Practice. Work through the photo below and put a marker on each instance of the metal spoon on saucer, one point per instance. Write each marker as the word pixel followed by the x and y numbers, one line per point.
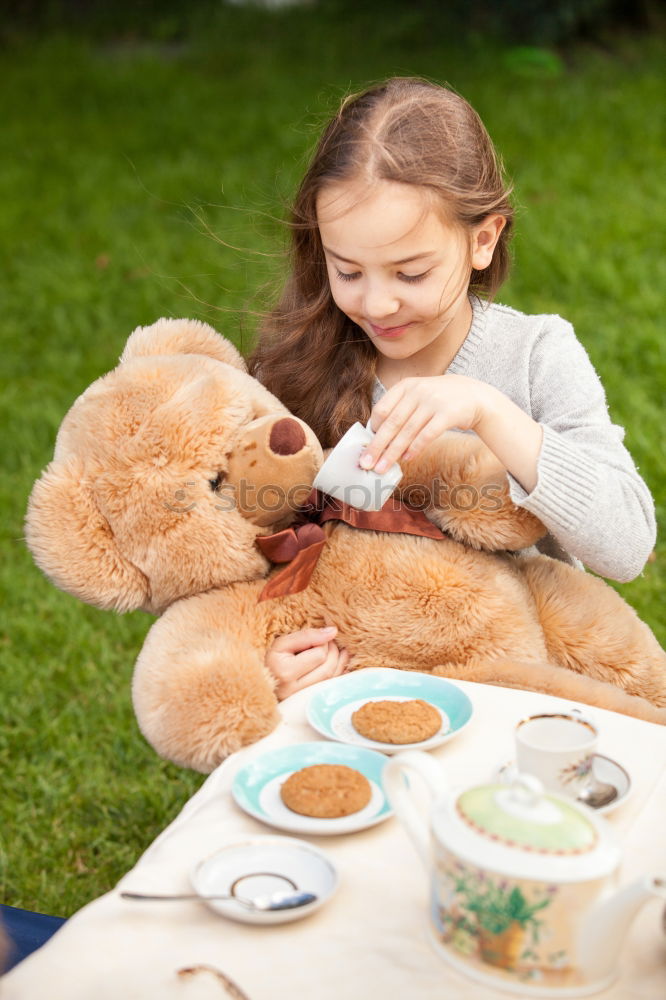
pixel 597 794
pixel 273 901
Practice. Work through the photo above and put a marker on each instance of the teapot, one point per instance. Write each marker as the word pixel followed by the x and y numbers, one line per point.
pixel 523 894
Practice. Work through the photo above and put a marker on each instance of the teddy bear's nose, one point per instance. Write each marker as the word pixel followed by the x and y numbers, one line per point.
pixel 287 437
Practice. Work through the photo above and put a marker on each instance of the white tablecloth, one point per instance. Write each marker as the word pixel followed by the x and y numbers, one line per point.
pixel 370 940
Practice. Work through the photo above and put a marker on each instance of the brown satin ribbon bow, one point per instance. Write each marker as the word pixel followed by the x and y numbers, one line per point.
pixel 302 543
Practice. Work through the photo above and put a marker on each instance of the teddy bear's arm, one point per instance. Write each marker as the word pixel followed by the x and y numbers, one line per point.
pixel 200 688
pixel 464 489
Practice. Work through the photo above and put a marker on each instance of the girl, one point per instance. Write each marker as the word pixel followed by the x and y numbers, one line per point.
pixel 401 228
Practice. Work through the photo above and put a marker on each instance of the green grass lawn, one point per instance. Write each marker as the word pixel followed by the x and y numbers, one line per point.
pixel 143 179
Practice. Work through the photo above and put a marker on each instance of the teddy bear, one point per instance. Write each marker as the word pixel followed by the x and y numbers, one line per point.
pixel 174 475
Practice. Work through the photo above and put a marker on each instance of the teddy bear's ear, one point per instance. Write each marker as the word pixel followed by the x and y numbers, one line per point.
pixel 181 336
pixel 73 545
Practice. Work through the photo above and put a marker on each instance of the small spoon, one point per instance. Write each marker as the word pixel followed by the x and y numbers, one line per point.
pixel 598 794
pixel 275 901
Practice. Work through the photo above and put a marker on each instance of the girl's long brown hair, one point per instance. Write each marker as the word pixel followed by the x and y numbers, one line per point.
pixel 309 353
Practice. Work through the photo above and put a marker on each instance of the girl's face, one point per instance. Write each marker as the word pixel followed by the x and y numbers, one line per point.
pixel 396 269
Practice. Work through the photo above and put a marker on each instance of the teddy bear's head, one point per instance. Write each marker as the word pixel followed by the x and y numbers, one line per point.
pixel 165 471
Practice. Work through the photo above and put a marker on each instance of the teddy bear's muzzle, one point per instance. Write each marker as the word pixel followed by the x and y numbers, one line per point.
pixel 272 468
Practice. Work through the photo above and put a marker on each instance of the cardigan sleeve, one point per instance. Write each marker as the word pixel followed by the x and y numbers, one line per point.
pixel 589 493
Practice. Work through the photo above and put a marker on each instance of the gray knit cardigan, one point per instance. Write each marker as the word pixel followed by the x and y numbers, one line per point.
pixel 589 495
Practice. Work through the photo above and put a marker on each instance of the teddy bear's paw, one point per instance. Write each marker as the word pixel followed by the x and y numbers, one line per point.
pixel 485 519
pixel 453 460
pixel 201 692
pixel 464 490
pixel 200 733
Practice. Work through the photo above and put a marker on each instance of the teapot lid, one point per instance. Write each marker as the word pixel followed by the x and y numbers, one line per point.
pixel 520 815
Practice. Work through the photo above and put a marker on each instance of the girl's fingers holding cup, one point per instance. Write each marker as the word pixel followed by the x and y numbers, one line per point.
pixel 425 437
pixel 387 440
pixel 401 442
pixel 387 406
pixel 391 411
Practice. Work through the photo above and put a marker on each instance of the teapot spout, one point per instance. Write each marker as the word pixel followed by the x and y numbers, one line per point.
pixel 606 926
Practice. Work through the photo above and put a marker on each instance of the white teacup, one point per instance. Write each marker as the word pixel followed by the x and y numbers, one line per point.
pixel 559 749
pixel 342 477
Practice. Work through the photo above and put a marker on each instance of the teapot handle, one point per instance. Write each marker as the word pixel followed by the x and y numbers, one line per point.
pixel 402 798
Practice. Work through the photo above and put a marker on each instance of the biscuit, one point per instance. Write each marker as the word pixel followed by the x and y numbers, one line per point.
pixel 326 791
pixel 397 721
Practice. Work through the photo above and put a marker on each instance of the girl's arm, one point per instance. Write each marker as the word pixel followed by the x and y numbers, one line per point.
pixel 589 492
pixel 418 410
pixel 566 460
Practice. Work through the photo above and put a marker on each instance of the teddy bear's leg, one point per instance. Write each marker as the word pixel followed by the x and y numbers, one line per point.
pixel 591 630
pixel 558 681
pixel 200 688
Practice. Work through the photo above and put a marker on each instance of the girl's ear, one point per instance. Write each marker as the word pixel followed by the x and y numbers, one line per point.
pixel 484 240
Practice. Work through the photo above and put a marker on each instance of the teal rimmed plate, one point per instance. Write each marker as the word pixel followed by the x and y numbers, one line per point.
pixel 256 788
pixel 333 702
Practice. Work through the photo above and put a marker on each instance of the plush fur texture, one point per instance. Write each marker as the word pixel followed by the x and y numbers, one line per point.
pixel 168 468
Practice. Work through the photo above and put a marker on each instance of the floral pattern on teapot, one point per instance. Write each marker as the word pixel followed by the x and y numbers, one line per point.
pixel 525 930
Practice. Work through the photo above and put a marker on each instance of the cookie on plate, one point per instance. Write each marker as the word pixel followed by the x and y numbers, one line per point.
pixel 326 791
pixel 397 721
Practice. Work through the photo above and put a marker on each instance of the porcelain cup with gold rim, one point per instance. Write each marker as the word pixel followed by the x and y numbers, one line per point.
pixel 558 748
pixel 342 477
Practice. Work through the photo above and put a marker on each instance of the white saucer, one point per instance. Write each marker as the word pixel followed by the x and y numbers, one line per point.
pixel 605 769
pixel 257 866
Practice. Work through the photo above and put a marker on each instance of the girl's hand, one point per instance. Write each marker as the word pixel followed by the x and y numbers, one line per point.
pixel 413 413
pixel 302 658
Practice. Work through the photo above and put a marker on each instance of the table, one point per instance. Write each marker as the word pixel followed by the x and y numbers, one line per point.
pixel 370 939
